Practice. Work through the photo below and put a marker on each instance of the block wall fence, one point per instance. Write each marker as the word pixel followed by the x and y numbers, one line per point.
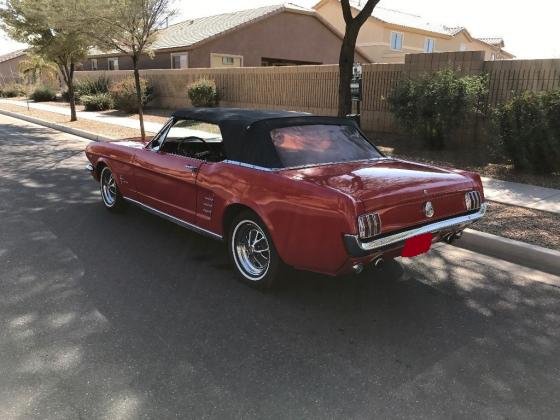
pixel 314 88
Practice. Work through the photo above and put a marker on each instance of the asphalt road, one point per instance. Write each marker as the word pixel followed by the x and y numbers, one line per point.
pixel 127 316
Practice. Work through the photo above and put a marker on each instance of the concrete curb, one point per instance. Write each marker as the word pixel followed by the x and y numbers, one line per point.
pixel 74 131
pixel 528 255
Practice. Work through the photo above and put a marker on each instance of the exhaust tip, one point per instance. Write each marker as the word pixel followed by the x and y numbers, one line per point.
pixel 378 263
pixel 358 268
pixel 450 238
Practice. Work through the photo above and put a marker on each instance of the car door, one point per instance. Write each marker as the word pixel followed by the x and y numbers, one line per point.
pixel 167 181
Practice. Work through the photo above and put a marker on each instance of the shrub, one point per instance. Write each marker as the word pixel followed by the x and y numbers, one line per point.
pixel 88 87
pixel 434 105
pixel 97 102
pixel 92 86
pixel 124 94
pixel 12 90
pixel 203 92
pixel 528 130
pixel 43 94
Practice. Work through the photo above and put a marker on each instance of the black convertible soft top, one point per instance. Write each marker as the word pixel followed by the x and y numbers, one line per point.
pixel 246 132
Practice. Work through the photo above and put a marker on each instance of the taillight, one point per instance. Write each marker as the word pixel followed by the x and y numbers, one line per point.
pixel 369 225
pixel 472 200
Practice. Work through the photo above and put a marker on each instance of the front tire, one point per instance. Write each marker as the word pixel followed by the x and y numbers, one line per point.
pixel 253 254
pixel 110 194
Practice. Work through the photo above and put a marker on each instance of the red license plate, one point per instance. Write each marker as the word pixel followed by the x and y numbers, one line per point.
pixel 417 245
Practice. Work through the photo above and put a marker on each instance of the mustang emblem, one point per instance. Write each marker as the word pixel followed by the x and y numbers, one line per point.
pixel 428 209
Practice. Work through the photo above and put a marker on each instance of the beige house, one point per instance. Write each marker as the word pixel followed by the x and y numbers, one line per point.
pixel 388 35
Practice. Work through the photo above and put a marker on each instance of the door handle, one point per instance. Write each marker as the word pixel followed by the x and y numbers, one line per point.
pixel 192 168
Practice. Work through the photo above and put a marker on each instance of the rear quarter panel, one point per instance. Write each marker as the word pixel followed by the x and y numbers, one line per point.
pixel 306 221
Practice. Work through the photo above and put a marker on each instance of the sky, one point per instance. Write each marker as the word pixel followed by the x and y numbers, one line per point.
pixel 530 29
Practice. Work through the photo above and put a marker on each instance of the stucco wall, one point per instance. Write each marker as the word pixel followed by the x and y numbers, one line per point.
pixel 9 70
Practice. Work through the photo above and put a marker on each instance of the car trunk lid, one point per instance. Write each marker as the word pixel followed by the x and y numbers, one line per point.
pixel 396 189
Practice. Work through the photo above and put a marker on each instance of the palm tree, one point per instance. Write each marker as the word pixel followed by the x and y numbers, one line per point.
pixel 35 67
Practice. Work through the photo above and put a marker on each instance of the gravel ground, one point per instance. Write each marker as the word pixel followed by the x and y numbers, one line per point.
pixel 108 130
pixel 521 224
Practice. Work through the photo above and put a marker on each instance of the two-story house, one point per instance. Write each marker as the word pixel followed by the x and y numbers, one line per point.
pixel 388 35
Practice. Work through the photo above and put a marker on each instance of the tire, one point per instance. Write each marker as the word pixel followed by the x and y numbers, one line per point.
pixel 110 194
pixel 252 252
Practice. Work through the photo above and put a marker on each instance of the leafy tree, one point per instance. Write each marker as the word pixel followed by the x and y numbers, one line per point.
pixel 433 105
pixel 53 30
pixel 129 27
pixel 346 60
pixel 35 67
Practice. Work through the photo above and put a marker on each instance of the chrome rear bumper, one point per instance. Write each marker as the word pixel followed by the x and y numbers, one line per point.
pixel 358 248
pixel 89 168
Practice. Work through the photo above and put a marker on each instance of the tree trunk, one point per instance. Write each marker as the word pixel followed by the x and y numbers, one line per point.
pixel 345 64
pixel 67 72
pixel 139 97
pixel 70 84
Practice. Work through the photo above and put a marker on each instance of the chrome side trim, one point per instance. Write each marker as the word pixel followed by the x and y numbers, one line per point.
pixel 89 168
pixel 175 220
pixel 248 165
pixel 312 165
pixel 356 246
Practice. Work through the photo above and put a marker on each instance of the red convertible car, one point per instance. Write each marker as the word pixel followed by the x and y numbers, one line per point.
pixel 287 188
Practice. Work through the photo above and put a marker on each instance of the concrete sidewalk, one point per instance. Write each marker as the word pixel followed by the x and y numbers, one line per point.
pixel 512 193
pixel 522 195
pixel 128 122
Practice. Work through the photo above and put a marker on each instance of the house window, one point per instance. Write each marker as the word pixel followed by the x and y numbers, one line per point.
pixel 225 60
pixel 94 63
pixel 113 63
pixel 179 60
pixel 493 57
pixel 429 45
pixel 396 41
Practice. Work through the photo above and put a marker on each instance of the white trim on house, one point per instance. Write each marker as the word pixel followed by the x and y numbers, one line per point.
pixel 373 44
pixel 93 63
pixel 183 63
pixel 115 61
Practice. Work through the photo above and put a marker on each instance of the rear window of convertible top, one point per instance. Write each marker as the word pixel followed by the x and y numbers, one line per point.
pixel 321 143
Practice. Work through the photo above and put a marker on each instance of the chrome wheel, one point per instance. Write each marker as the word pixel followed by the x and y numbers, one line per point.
pixel 251 250
pixel 108 188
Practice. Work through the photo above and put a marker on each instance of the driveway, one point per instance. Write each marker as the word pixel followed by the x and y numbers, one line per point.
pixel 127 316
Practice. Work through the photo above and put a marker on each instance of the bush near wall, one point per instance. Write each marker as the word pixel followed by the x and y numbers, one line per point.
pixel 97 102
pixel 43 94
pixel 433 106
pixel 12 90
pixel 203 93
pixel 88 87
pixel 528 128
pixel 124 94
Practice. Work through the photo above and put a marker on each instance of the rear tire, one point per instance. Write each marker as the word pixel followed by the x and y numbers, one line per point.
pixel 110 194
pixel 252 252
